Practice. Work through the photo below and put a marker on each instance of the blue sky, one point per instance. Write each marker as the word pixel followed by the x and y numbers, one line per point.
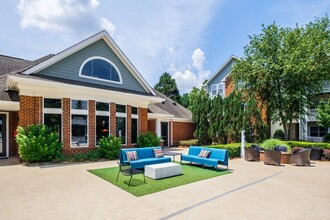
pixel 190 39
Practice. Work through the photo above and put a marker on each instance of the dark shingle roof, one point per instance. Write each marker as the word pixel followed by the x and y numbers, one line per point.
pixel 169 107
pixel 9 64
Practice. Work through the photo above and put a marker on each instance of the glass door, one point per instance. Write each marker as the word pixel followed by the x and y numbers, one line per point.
pixel 3 145
pixel 164 132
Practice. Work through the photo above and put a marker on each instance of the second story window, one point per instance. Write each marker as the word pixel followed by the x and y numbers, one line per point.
pixel 217 89
pixel 100 68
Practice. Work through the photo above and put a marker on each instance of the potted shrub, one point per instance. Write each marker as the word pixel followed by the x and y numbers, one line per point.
pixel 270 144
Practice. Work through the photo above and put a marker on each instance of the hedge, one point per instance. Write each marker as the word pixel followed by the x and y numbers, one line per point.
pixel 192 142
pixel 305 144
pixel 234 149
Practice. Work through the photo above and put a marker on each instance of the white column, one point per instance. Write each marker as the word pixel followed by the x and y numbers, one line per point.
pixel 158 128
pixel 242 144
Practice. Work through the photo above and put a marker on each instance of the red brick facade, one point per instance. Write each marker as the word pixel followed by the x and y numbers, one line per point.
pixel 30 110
pixel 31 113
pixel 182 131
pixel 113 118
pixel 143 120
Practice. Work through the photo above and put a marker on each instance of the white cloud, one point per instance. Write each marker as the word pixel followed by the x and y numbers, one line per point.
pixel 108 26
pixel 94 3
pixel 186 79
pixel 68 17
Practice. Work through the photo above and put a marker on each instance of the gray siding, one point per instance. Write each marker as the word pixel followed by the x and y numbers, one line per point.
pixel 218 79
pixel 68 68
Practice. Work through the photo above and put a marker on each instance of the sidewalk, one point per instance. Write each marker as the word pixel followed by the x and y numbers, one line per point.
pixel 252 191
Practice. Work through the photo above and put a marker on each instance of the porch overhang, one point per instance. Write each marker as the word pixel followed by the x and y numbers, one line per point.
pixel 9 106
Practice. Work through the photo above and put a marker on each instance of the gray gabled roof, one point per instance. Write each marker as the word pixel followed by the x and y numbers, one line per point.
pixel 169 107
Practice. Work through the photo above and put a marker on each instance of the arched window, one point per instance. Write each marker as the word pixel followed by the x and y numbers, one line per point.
pixel 100 68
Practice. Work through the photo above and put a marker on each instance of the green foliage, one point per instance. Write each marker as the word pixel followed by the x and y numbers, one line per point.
pixel 326 138
pixel 234 149
pixel 279 134
pixel 184 100
pixel 323 117
pixel 282 67
pixel 200 110
pixel 271 143
pixel 38 143
pixel 192 142
pixel 306 144
pixel 167 85
pixel 109 147
pixel 148 139
pixel 217 120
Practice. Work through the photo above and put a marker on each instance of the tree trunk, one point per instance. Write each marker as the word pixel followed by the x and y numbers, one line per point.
pixel 285 129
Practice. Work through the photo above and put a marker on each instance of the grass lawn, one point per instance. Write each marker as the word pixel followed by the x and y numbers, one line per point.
pixel 190 174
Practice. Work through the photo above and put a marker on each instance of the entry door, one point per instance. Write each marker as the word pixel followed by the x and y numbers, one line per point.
pixel 3 142
pixel 164 132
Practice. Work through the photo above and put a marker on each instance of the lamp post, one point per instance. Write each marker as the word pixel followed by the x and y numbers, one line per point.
pixel 242 144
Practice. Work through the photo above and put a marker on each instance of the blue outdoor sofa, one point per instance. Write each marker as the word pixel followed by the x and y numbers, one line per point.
pixel 216 156
pixel 146 156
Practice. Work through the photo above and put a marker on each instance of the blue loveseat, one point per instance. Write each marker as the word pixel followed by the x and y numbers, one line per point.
pixel 146 156
pixel 216 156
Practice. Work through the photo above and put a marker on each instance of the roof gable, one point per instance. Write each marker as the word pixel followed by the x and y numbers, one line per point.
pixel 224 67
pixel 104 37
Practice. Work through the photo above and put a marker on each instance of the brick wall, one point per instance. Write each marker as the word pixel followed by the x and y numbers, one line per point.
pixel 30 110
pixel 129 125
pixel 113 118
pixel 143 120
pixel 152 126
pixel 66 125
pixel 92 124
pixel 229 86
pixel 182 131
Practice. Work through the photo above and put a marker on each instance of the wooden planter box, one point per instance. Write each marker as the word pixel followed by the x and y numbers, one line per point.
pixel 285 157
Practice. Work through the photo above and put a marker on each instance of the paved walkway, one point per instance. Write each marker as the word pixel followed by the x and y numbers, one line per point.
pixel 252 191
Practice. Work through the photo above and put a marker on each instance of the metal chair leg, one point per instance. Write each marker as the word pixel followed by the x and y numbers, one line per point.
pixel 129 183
pixel 118 175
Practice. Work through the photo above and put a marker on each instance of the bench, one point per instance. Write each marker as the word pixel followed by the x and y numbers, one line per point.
pixel 146 156
pixel 216 156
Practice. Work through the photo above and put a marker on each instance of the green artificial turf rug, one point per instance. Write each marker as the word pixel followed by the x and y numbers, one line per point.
pixel 190 174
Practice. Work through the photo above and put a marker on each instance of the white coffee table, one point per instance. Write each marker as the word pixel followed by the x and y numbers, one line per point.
pixel 162 170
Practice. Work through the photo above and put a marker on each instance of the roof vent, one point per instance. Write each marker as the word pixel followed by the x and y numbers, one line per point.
pixel 174 103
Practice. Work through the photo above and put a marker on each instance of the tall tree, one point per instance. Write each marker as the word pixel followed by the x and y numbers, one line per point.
pixel 282 67
pixel 184 100
pixel 167 85
pixel 323 117
pixel 200 110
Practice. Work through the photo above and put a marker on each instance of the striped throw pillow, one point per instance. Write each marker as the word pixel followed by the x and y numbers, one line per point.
pixel 158 153
pixel 131 155
pixel 204 153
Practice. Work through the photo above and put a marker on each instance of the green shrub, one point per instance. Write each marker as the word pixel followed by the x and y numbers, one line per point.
pixel 110 147
pixel 305 144
pixel 38 143
pixel 192 142
pixel 326 138
pixel 279 134
pixel 93 155
pixel 234 149
pixel 271 143
pixel 148 140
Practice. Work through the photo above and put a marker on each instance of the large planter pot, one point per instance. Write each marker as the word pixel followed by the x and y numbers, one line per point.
pixel 285 157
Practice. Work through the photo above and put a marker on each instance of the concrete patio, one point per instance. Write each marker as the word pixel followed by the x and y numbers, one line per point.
pixel 252 191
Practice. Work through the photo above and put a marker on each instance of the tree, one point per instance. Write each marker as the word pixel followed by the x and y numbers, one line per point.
pixel 184 100
pixel 283 67
pixel 323 117
pixel 200 110
pixel 167 85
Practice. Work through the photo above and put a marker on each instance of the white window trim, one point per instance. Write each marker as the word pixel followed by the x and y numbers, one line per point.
pixel 102 113
pixel 104 80
pixel 79 112
pixel 217 86
pixel 52 111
